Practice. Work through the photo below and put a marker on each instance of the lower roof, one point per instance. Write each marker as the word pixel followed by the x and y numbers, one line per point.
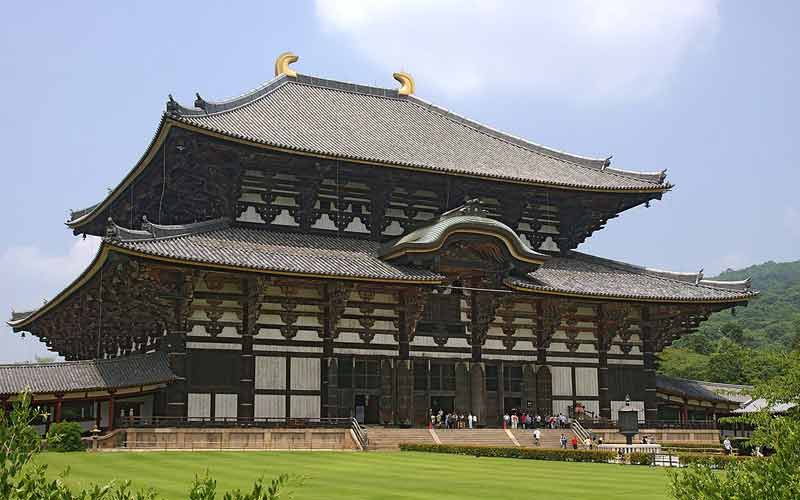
pixel 689 389
pixel 80 376
pixel 223 245
pixel 584 275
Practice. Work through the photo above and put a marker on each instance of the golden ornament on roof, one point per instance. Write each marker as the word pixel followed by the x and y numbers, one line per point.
pixel 406 81
pixel 282 64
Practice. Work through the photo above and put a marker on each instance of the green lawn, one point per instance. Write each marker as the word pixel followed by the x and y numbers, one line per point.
pixel 332 475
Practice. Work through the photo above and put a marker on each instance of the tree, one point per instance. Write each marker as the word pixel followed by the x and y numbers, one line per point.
pixel 729 363
pixel 20 479
pixel 732 331
pixel 776 478
pixel 683 363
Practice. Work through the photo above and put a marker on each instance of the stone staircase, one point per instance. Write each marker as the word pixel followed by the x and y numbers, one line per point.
pixel 389 439
pixel 475 437
pixel 550 437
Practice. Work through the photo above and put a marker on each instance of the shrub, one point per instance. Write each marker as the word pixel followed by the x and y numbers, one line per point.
pixel 690 445
pixel 524 453
pixel 711 460
pixel 639 458
pixel 65 436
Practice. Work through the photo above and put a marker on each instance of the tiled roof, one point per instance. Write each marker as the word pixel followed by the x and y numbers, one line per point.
pixel 586 275
pixel 267 250
pixel 690 389
pixel 76 376
pixel 343 120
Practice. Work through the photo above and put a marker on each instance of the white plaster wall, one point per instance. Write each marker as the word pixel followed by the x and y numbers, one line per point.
pixel 270 406
pixel 198 405
pixel 305 374
pixel 304 407
pixel 586 381
pixel 270 372
pixel 226 405
pixel 562 380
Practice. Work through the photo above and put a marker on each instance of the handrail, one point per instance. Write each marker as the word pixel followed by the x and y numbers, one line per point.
pixel 360 433
pixel 578 429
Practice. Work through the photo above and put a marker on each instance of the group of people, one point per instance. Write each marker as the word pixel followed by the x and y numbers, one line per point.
pixel 453 420
pixel 573 442
pixel 524 420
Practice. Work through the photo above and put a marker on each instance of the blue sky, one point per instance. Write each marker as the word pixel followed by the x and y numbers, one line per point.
pixel 707 90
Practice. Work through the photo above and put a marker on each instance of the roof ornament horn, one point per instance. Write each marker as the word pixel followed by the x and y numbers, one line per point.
pixel 406 82
pixel 282 64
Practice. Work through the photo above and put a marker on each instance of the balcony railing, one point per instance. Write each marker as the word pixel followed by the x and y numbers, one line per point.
pixel 150 422
pixel 651 424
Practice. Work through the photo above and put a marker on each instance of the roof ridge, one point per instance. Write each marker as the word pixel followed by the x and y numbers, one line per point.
pixel 665 274
pixel 75 361
pixel 528 145
pixel 207 108
pixel 156 232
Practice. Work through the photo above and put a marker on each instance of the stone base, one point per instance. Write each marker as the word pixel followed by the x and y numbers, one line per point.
pixel 239 439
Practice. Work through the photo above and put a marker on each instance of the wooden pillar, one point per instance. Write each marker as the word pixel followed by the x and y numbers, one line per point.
pixel 603 344
pixel 253 288
pixel 648 352
pixel 476 328
pixel 59 400
pixel 111 413
pixel 477 375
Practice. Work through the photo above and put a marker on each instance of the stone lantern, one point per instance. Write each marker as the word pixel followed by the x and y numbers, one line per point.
pixel 628 421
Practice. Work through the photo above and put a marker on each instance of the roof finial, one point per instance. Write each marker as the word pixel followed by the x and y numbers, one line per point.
pixel 406 81
pixel 282 64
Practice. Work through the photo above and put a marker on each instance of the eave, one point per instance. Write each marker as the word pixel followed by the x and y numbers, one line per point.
pixel 168 122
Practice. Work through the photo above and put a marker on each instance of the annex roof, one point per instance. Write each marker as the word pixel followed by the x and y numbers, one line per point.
pixel 584 275
pixel 689 389
pixel 78 376
pixel 377 125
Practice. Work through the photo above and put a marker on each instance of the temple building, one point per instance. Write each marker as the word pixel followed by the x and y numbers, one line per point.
pixel 315 248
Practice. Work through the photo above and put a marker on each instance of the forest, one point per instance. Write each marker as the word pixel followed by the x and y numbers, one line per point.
pixel 743 346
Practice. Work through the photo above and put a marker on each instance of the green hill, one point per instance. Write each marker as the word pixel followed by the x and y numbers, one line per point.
pixel 743 348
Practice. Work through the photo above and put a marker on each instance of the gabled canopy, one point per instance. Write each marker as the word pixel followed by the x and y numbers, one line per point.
pixel 469 219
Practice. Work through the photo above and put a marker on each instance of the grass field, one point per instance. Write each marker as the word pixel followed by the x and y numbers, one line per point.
pixel 331 475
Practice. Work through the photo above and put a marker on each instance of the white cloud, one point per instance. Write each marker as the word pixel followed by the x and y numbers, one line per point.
pixel 29 275
pixel 581 48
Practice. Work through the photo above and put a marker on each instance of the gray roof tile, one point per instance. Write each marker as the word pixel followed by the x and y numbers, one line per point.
pixel 582 274
pixel 318 116
pixel 76 376
pixel 266 250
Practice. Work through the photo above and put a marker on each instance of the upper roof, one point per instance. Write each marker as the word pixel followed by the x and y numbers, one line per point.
pixel 584 275
pixel 376 125
pixel 79 376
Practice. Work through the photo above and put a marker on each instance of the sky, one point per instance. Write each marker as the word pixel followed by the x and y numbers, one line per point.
pixel 705 89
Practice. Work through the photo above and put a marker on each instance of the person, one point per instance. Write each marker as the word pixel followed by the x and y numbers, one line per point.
pixel 469 419
pixel 563 440
pixel 523 419
pixel 600 441
pixel 474 421
pixel 538 421
pixel 537 435
pixel 506 420
pixel 574 443
pixel 514 421
pixel 587 443
pixel 728 447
